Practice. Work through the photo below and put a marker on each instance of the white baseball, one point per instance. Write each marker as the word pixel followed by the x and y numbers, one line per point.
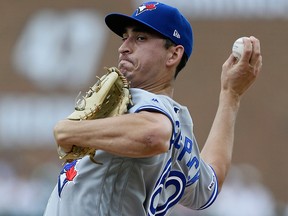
pixel 238 47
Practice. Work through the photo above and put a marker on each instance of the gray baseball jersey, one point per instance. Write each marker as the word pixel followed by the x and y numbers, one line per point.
pixel 125 186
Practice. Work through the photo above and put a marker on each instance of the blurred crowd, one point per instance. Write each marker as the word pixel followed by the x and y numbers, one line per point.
pixel 25 195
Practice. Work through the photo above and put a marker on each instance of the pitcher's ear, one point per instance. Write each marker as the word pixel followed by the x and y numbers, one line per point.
pixel 175 54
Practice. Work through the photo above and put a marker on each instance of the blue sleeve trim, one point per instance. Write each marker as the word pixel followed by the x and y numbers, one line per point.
pixel 214 194
pixel 151 108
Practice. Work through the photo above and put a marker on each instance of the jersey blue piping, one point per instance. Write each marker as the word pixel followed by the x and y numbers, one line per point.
pixel 215 191
pixel 155 108
pixel 214 195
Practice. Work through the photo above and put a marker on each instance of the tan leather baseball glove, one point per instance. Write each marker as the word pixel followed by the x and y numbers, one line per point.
pixel 109 96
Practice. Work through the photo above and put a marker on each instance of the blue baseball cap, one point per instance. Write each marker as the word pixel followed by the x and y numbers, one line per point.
pixel 162 18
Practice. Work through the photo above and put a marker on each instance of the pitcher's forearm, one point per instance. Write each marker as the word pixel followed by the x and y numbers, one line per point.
pixel 218 148
pixel 133 135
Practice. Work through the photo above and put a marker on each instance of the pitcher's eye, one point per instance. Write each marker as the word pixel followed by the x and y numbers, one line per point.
pixel 141 38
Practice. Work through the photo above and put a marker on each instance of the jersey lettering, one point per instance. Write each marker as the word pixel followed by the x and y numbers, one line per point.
pixel 194 161
pixel 188 143
pixel 187 147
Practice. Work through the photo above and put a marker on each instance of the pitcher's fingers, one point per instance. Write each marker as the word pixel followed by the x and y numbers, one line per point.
pixel 258 66
pixel 256 51
pixel 248 50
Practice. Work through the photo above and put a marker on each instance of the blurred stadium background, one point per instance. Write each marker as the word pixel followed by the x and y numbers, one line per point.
pixel 51 50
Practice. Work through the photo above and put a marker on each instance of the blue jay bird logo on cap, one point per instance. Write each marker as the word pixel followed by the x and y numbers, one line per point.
pixel 146 7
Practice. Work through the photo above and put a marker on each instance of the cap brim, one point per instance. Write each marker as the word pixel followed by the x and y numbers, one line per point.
pixel 119 22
